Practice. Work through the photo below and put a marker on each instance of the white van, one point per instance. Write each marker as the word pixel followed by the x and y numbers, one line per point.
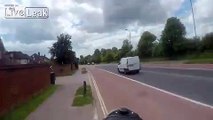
pixel 129 64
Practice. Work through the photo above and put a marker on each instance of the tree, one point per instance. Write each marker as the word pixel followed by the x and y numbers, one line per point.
pixel 193 45
pixel 172 38
pixel 109 57
pixel 207 41
pixel 157 50
pixel 61 51
pixel 126 47
pixel 97 56
pixel 88 59
pixel 116 53
pixel 145 44
pixel 114 49
pixel 82 60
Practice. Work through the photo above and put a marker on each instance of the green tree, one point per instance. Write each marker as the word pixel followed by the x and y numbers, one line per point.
pixel 157 50
pixel 126 48
pixel 145 44
pixel 173 38
pixel 61 51
pixel 97 56
pixel 109 57
pixel 116 55
pixel 193 45
pixel 82 60
pixel 88 59
pixel 207 41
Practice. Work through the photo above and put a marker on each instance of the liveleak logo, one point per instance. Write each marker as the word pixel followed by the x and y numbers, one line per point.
pixel 21 12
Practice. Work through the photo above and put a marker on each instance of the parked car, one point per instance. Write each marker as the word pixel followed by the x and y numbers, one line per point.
pixel 129 64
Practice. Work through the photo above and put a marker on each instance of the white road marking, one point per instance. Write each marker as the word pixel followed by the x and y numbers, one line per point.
pixel 103 106
pixel 161 90
pixel 95 117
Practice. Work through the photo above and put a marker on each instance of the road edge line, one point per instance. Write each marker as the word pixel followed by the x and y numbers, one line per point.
pixel 161 90
pixel 100 99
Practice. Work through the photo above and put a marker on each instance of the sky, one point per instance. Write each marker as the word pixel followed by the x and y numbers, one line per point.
pixel 95 24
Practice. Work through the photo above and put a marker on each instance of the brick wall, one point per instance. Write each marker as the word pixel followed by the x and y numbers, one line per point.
pixel 61 70
pixel 19 82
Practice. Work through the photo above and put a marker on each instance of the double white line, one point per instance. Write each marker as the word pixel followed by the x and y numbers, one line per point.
pixel 93 82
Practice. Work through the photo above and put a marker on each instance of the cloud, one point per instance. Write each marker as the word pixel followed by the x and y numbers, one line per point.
pixel 97 23
pixel 121 13
pixel 28 48
pixel 203 12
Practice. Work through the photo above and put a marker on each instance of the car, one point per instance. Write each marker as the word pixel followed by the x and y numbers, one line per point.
pixel 129 64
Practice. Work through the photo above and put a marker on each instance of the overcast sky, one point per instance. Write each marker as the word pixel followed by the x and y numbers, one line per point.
pixel 98 23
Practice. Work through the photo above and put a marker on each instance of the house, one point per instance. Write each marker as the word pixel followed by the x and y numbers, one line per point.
pixel 17 57
pixel 38 59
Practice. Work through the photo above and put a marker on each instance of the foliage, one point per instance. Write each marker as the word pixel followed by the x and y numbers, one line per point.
pixel 80 99
pixel 145 44
pixel 126 48
pixel 172 45
pixel 173 38
pixel 97 56
pixel 207 41
pixel 61 50
pixel 157 50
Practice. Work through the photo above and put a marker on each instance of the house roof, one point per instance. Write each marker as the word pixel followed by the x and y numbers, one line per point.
pixel 19 55
pixel 39 57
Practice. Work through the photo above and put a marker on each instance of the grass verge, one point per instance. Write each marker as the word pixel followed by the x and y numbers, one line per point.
pixel 80 99
pixel 23 110
pixel 200 61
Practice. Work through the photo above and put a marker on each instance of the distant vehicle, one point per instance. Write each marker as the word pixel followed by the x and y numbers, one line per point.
pixel 88 63
pixel 93 63
pixel 129 64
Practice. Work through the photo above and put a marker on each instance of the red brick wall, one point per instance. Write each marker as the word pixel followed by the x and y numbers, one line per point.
pixel 60 70
pixel 19 82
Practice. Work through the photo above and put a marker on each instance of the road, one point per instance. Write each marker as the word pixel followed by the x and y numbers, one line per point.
pixel 196 84
pixel 151 103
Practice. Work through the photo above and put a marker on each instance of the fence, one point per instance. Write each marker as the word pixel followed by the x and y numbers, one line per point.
pixel 19 82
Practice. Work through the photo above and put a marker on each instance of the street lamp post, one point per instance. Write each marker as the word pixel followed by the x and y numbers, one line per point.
pixel 193 17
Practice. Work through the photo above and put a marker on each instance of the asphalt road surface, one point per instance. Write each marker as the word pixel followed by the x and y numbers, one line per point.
pixel 194 84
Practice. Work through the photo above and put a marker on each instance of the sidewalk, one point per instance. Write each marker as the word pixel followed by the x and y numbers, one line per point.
pixel 58 106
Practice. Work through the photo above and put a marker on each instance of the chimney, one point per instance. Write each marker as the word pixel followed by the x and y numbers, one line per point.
pixel 38 53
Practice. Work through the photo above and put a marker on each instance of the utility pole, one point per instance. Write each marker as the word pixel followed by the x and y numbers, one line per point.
pixel 193 17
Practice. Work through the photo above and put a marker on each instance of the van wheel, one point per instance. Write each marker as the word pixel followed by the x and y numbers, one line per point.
pixel 137 71
pixel 119 71
pixel 125 72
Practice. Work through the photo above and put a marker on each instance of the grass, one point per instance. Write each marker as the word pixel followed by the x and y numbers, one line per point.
pixel 200 61
pixel 206 55
pixel 203 58
pixel 22 111
pixel 80 99
pixel 199 58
